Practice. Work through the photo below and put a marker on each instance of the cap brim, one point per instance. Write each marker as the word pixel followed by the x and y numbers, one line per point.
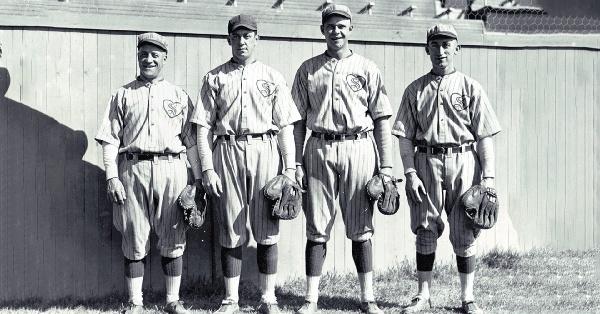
pixel 243 25
pixel 152 42
pixel 339 13
pixel 443 35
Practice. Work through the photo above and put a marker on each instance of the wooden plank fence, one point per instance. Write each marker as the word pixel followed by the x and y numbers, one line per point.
pixel 55 234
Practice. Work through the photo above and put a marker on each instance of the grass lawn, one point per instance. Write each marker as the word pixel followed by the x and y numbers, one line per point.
pixel 540 281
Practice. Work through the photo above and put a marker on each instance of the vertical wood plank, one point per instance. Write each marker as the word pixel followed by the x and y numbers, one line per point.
pixel 542 114
pixel 552 145
pixel 6 39
pixel 571 147
pixel 561 149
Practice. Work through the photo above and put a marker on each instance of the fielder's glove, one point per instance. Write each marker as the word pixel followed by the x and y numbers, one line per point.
pixel 382 188
pixel 192 203
pixel 286 197
pixel 481 206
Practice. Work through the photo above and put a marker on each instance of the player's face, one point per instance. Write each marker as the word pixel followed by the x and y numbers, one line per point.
pixel 243 43
pixel 441 51
pixel 336 30
pixel 151 60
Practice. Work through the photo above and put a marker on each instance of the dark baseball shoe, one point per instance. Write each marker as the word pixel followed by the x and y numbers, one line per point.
pixel 176 307
pixel 308 308
pixel 370 308
pixel 228 308
pixel 268 308
pixel 471 308
pixel 417 304
pixel 133 309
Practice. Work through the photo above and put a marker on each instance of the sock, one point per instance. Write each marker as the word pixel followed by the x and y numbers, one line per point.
pixel 267 287
pixel 314 258
pixel 134 268
pixel 466 286
pixel 231 261
pixel 172 266
pixel 362 253
pixel 172 287
pixel 134 289
pixel 366 287
pixel 231 289
pixel 266 258
pixel 465 265
pixel 312 288
pixel 425 261
pixel 424 279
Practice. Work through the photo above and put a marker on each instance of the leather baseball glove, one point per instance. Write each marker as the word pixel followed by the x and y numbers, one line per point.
pixel 193 204
pixel 382 188
pixel 481 206
pixel 286 197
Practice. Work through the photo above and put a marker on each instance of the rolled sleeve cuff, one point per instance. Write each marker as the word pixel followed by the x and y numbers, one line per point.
pixel 108 139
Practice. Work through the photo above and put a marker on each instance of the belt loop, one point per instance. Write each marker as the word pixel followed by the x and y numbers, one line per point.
pixel 343 137
pixel 265 137
pixel 170 157
pixel 155 158
pixel 231 139
pixel 248 139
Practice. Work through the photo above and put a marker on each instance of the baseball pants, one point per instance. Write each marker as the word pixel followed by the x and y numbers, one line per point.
pixel 337 174
pixel 446 178
pixel 151 188
pixel 244 167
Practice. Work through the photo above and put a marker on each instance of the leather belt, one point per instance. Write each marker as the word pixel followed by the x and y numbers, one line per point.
pixel 245 137
pixel 163 156
pixel 440 150
pixel 339 137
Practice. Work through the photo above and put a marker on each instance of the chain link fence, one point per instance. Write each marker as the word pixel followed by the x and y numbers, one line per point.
pixel 527 16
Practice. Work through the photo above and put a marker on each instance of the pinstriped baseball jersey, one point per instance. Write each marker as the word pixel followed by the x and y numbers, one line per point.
pixel 445 111
pixel 143 117
pixel 148 118
pixel 247 99
pixel 340 96
pixel 251 99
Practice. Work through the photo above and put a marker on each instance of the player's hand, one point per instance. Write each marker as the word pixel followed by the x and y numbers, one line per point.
pixel 290 173
pixel 387 171
pixel 212 183
pixel 414 187
pixel 300 177
pixel 116 191
pixel 488 183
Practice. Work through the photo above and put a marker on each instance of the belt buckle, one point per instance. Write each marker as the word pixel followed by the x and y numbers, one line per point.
pixel 343 137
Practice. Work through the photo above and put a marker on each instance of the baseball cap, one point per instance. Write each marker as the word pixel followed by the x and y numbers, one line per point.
pixel 335 9
pixel 242 20
pixel 152 38
pixel 441 30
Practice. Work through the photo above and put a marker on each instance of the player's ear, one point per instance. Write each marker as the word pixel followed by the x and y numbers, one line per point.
pixel 256 35
pixel 351 27
pixel 229 39
pixel 427 49
pixel 457 50
pixel 322 29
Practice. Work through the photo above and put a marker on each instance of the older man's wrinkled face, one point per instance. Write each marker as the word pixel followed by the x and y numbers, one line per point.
pixel 151 60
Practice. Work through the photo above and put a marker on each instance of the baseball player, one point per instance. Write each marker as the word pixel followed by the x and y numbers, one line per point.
pixel 342 100
pixel 146 139
pixel 248 107
pixel 446 117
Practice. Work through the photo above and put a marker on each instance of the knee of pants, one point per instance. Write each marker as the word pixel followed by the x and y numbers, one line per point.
pixel 426 242
pixel 360 237
pixel 465 250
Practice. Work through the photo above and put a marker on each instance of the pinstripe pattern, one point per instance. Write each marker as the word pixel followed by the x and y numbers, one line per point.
pixel 445 177
pixel 152 189
pixel 244 168
pixel 247 99
pixel 149 118
pixel 466 116
pixel 448 110
pixel 340 96
pixel 239 100
pixel 338 174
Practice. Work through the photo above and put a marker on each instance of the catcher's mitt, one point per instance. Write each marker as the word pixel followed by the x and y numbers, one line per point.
pixel 191 201
pixel 481 206
pixel 382 188
pixel 286 197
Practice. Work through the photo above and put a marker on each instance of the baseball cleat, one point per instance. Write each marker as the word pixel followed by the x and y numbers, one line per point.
pixel 417 304
pixel 370 308
pixel 268 308
pixel 308 308
pixel 471 307
pixel 228 308
pixel 133 309
pixel 176 307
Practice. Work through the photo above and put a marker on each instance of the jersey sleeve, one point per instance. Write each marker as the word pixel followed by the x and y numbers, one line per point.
pixel 405 124
pixel 300 91
pixel 188 129
pixel 205 112
pixel 284 109
pixel 484 122
pixel 378 101
pixel 111 127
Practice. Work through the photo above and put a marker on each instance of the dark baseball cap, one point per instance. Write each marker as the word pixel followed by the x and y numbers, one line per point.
pixel 152 38
pixel 335 9
pixel 242 20
pixel 441 30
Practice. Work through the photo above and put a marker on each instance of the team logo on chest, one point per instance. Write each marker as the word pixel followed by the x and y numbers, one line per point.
pixel 355 82
pixel 172 108
pixel 459 101
pixel 265 88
